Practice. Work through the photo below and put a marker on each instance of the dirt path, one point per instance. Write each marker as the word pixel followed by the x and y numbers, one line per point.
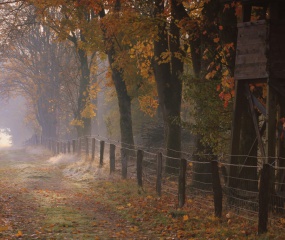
pixel 38 202
pixel 41 198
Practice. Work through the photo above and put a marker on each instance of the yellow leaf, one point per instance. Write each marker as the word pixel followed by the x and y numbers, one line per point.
pixel 76 122
pixel 88 111
pixel 189 200
pixel 19 234
pixel 282 220
pixel 185 217
pixel 4 228
pixel 134 229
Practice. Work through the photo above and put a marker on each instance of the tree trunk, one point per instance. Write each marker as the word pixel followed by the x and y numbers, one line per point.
pixel 169 84
pixel 124 100
pixel 49 127
pixel 281 150
pixel 213 15
pixel 248 147
pixel 202 171
pixel 84 95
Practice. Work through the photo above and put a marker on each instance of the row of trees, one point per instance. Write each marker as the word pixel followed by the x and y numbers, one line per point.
pixel 167 56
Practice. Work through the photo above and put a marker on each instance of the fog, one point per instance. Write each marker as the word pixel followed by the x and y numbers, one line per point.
pixel 5 138
pixel 13 130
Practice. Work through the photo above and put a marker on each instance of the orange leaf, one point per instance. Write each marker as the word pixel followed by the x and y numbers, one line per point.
pixel 216 40
pixel 19 234
pixel 4 228
pixel 185 217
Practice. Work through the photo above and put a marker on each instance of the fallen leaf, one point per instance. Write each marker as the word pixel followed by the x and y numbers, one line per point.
pixel 4 228
pixel 19 234
pixel 185 217
pixel 216 40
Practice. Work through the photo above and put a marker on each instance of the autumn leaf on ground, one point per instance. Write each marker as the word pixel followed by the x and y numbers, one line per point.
pixel 282 220
pixel 4 228
pixel 19 234
pixel 216 40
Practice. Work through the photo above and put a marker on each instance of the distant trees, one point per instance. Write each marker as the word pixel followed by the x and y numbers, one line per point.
pixel 71 22
pixel 33 68
pixel 112 46
pixel 154 49
pixel 33 65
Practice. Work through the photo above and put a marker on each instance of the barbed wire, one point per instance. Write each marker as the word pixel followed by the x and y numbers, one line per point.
pixel 162 149
pixel 244 199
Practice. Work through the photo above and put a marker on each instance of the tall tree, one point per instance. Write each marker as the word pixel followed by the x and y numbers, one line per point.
pixel 72 22
pixel 124 100
pixel 168 69
pixel 32 67
pixel 209 86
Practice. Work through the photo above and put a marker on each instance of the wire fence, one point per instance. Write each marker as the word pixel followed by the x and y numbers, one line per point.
pixel 251 190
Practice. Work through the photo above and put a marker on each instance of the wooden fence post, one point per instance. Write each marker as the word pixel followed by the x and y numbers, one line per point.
pixel 68 146
pixel 264 191
pixel 93 150
pixel 159 174
pixel 217 189
pixel 139 167
pixel 79 147
pixel 53 144
pixel 86 147
pixel 112 158
pixel 182 183
pixel 73 146
pixel 102 146
pixel 124 159
pixel 50 145
pixel 64 147
pixel 57 148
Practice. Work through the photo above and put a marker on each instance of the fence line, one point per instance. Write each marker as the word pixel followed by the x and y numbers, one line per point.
pixel 253 192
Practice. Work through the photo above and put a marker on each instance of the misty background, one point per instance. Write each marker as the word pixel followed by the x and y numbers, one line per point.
pixel 14 128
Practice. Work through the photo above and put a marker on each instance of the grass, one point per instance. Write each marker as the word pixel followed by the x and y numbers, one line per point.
pixel 111 208
pixel 155 214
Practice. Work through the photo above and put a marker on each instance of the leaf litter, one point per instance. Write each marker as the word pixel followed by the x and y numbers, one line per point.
pixel 45 200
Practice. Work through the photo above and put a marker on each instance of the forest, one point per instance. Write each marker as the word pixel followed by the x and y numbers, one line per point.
pixel 151 65
pixel 189 77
